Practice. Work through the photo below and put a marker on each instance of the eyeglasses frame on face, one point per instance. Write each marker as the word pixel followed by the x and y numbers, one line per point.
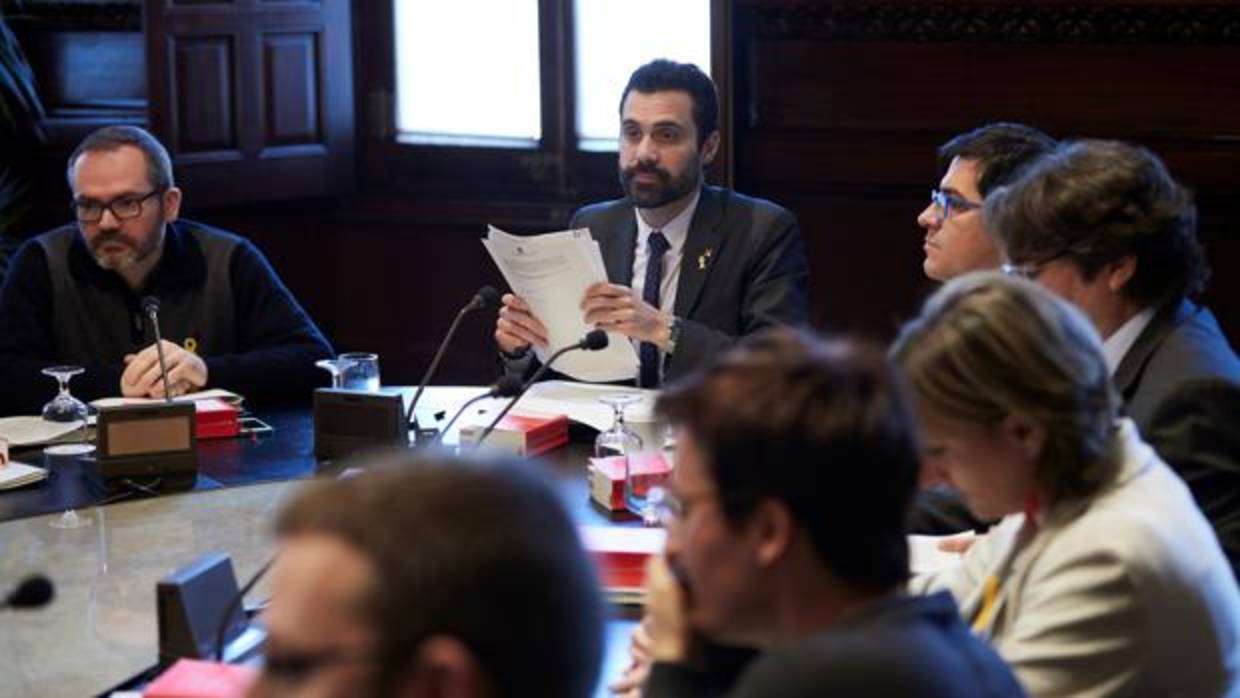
pixel 946 203
pixel 1030 270
pixel 130 200
pixel 673 509
pixel 296 667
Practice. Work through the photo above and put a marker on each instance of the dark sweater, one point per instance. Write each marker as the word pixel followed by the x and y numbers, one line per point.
pixel 215 289
pixel 902 646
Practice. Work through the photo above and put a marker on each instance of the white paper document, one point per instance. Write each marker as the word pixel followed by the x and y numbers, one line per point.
pixel 552 272
pixel 225 395
pixel 580 401
pixel 14 474
pixel 925 555
pixel 35 431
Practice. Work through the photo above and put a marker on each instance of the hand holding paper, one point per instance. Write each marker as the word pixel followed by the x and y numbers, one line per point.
pixel 549 275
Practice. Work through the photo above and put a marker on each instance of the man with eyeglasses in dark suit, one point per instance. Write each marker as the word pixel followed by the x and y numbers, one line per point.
pixel 74 295
pixel 1104 225
pixel 972 165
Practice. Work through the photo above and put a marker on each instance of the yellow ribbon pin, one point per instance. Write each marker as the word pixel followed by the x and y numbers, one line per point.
pixel 703 259
pixel 191 345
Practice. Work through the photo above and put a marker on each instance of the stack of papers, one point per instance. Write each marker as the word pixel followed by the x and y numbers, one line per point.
pixel 35 431
pixel 552 272
pixel 14 474
pixel 211 394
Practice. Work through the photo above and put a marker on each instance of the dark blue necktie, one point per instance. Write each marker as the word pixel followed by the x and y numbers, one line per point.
pixel 656 245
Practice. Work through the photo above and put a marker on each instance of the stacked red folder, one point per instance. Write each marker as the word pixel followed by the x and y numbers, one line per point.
pixel 621 554
pixel 606 476
pixel 521 434
pixel 216 419
pixel 192 678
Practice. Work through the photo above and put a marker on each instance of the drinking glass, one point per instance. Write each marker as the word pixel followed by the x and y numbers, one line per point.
pixel 622 441
pixel 363 375
pixel 336 367
pixel 67 409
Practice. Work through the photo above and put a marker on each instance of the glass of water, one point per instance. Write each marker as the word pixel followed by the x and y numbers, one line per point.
pixel 363 374
pixel 67 409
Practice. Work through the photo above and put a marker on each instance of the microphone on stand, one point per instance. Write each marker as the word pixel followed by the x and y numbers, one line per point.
pixel 150 306
pixel 593 341
pixel 33 592
pixel 487 295
pixel 509 385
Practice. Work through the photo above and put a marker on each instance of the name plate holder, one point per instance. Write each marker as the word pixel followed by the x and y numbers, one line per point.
pixel 348 421
pixel 148 446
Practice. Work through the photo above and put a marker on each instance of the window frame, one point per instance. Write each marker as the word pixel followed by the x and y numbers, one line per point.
pixel 556 175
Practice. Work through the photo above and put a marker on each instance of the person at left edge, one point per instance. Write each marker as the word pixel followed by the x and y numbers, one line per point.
pixel 73 294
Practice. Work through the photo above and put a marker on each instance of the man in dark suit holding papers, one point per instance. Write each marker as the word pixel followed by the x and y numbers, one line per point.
pixel 690 267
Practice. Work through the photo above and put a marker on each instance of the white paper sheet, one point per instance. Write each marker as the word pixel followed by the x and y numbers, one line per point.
pixel 34 431
pixel 925 555
pixel 14 474
pixel 580 401
pixel 225 395
pixel 551 272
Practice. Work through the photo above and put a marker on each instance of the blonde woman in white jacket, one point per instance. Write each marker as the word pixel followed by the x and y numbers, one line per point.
pixel 1102 578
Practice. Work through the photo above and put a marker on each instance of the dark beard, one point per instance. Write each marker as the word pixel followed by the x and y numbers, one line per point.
pixel 668 189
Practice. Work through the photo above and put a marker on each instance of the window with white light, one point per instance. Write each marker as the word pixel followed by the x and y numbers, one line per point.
pixel 614 38
pixel 467 72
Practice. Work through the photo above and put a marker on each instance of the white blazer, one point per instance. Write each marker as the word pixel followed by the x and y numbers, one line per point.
pixel 1130 596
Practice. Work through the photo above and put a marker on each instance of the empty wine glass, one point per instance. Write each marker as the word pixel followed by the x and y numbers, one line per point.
pixel 67 409
pixel 336 367
pixel 619 439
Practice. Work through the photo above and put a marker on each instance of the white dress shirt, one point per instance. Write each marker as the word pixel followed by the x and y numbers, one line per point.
pixel 677 232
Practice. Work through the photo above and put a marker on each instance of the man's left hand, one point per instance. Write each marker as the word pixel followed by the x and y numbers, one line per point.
pixel 667 613
pixel 617 308
pixel 186 372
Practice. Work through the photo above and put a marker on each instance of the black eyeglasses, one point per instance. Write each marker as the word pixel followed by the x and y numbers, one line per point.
pixel 947 203
pixel 123 208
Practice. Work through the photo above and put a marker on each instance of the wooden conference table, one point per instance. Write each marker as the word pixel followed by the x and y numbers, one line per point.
pixel 101 627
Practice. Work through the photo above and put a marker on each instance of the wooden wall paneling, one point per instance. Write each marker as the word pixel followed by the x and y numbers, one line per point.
pixel 290 94
pixel 840 107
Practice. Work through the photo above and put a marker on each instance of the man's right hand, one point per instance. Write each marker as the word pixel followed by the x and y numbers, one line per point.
pixel 517 328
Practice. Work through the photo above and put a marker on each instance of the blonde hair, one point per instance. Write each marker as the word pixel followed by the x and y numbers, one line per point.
pixel 986 346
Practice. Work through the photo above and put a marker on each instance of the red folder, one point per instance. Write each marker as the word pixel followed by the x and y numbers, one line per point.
pixel 193 678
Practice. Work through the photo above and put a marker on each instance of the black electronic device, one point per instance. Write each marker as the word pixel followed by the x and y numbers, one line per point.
pixel 142 442
pixel 190 604
pixel 348 421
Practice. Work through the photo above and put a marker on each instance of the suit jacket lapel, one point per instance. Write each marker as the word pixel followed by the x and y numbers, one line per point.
pixel 1128 373
pixel 702 249
pixel 618 248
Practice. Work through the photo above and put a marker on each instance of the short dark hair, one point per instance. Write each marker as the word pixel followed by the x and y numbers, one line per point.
pixel 822 426
pixel 662 74
pixel 1095 202
pixel 484 552
pixel 1002 150
pixel 158 164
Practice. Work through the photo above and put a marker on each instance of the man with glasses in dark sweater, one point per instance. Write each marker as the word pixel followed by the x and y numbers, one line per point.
pixel 74 294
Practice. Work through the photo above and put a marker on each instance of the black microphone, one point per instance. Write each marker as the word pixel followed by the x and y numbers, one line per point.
pixel 33 592
pixel 487 295
pixel 150 306
pixel 593 341
pixel 509 385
